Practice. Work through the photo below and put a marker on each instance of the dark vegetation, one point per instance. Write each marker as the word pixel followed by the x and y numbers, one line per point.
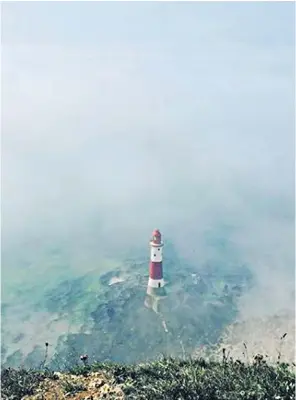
pixel 172 378
pixel 16 383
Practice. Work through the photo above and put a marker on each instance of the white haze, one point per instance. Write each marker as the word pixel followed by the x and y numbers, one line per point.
pixel 182 130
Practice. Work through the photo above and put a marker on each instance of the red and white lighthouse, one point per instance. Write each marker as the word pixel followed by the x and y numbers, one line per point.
pixel 156 283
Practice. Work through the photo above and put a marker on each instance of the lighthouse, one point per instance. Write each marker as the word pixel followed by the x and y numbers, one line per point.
pixel 155 289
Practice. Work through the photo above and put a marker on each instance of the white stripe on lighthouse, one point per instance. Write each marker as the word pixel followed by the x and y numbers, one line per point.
pixel 156 254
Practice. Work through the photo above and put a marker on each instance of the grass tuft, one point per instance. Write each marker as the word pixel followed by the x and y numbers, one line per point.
pixel 17 383
pixel 171 379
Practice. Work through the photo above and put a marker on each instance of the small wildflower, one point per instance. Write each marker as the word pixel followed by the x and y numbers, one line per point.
pixel 84 358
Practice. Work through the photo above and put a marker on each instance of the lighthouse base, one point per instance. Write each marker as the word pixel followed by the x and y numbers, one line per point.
pixel 155 283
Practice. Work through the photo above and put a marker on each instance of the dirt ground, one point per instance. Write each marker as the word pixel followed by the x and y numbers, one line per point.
pixel 95 386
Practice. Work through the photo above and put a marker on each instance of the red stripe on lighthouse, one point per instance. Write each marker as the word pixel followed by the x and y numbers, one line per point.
pixel 155 270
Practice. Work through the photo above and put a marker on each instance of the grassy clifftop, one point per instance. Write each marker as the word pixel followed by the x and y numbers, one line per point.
pixel 165 379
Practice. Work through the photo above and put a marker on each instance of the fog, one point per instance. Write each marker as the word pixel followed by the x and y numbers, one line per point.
pixel 120 118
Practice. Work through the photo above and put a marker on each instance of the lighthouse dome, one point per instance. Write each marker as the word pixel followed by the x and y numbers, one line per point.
pixel 156 237
pixel 156 233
